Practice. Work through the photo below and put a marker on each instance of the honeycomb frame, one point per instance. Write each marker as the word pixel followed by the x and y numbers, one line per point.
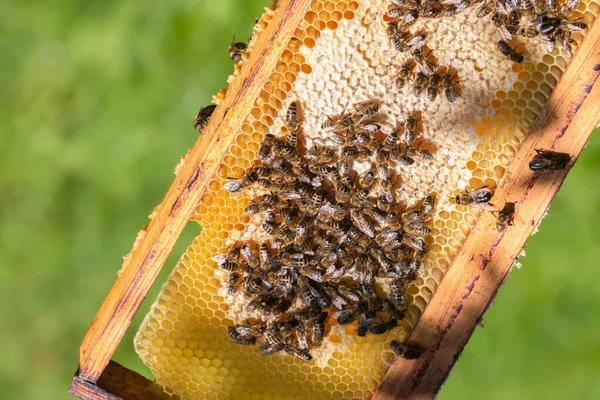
pixel 416 317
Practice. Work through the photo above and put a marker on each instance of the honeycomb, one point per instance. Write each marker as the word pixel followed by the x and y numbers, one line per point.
pixel 340 55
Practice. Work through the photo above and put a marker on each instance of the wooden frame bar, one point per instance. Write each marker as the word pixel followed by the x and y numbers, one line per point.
pixel 466 291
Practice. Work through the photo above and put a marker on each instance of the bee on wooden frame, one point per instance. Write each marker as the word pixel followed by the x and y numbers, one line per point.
pixel 547 160
pixel 505 217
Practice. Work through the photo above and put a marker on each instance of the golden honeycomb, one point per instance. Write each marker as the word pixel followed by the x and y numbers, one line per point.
pixel 340 55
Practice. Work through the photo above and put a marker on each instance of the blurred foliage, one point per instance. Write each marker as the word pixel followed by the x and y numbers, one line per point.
pixel 96 103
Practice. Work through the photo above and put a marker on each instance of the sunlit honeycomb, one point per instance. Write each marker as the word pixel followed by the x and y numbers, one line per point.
pixel 339 56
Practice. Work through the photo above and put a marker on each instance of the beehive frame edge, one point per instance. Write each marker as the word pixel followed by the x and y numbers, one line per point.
pixel 465 293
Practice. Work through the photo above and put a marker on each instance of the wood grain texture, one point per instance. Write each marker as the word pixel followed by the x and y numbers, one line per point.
pixel 481 266
pixel 115 383
pixel 199 166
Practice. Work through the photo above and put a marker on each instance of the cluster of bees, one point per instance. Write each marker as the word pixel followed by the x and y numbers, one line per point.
pixel 526 18
pixel 333 241
pixel 429 79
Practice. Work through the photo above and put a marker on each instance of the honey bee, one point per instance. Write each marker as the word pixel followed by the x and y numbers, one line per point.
pixel 485 9
pixel 394 311
pixel 361 223
pixel 420 83
pixel 398 38
pixel 383 327
pixel 405 351
pixel 319 329
pixel 349 293
pixel 432 87
pixel 234 280
pixel 505 217
pixel 478 198
pixel 201 120
pixel 366 179
pixel 450 89
pixel 426 66
pixel 417 228
pixel 432 9
pixel 427 207
pixel 390 140
pixel 392 219
pixel 238 185
pixel 243 334
pixel 366 110
pixel 403 74
pixel 510 52
pixel 236 50
pixel 303 355
pixel 365 321
pixel 343 194
pixel 547 160
pixel 503 29
pixel 307 294
pixel 291 116
pixel 337 301
pixel 397 292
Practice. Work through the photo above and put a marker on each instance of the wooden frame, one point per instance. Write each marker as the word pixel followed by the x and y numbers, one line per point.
pixel 466 291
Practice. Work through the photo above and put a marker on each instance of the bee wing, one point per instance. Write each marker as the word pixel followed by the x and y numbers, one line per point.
pixel 575 27
pixel 417 41
pixel 234 186
pixel 569 7
pixel 361 223
pixel 504 33
pixel 220 259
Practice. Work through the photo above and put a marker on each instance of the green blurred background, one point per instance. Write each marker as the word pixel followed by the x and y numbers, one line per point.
pixel 97 100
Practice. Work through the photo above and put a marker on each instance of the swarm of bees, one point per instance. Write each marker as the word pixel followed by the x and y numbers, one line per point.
pixel 526 18
pixel 334 241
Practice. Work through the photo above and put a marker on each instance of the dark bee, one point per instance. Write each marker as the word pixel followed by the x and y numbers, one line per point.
pixel 234 280
pixel 432 87
pixel 547 160
pixel 365 321
pixel 403 74
pixel 291 116
pixel 269 349
pixel 243 334
pixel 503 28
pixel 236 50
pixel 382 328
pixel 505 217
pixel 449 88
pixel 398 38
pixel 397 292
pixel 427 67
pixel 404 350
pixel 417 228
pixel 420 83
pixel 510 52
pixel 366 179
pixel 201 120
pixel 319 329
pixel 478 198
pixel 303 355
pixel 432 9
pixel 485 9
pixel 238 185
pixel 362 223
pixel 427 207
